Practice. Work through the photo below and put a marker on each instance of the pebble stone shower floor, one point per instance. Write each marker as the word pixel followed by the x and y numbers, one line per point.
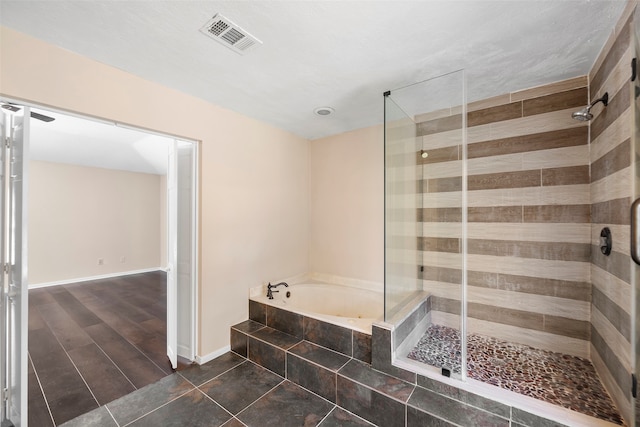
pixel 567 381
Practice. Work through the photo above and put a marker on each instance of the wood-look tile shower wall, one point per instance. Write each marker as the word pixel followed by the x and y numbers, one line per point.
pixel 529 235
pixel 611 185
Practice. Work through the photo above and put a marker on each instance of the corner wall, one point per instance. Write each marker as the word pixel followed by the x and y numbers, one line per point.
pixel 611 188
pixel 254 207
pixel 347 205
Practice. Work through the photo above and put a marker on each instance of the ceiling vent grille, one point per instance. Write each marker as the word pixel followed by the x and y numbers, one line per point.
pixel 229 34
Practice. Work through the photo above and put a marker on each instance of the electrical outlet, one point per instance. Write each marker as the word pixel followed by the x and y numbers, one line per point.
pixel 123 259
pixel 100 261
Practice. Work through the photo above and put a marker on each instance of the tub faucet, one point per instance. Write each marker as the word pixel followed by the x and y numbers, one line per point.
pixel 270 288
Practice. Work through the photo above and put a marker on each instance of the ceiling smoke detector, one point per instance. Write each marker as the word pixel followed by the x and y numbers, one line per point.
pixel 226 32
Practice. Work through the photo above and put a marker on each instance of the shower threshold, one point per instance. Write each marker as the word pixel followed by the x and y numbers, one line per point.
pixel 567 381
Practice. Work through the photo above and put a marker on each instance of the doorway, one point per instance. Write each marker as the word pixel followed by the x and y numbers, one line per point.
pixel 178 232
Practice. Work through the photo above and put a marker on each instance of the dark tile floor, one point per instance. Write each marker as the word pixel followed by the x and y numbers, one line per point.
pixel 564 380
pixel 229 391
pixel 93 342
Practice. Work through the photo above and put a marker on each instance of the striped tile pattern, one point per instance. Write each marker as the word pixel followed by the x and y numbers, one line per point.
pixel 611 188
pixel 529 212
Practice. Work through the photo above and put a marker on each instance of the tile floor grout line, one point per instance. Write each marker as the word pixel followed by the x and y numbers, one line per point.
pixel 213 378
pixel 313 392
pixel 329 349
pixel 376 390
pixel 75 366
pixel 46 402
pixel 266 369
pixel 155 409
pixel 217 403
pixel 328 413
pixel 119 334
pixel 81 376
pixel 355 415
pixel 112 417
pixel 133 345
pixel 261 397
pixel 275 345
pixel 335 371
pixel 116 365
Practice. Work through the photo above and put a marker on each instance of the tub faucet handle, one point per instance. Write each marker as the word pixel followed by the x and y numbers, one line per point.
pixel 270 288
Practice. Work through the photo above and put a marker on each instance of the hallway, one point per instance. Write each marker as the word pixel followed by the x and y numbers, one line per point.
pixel 93 342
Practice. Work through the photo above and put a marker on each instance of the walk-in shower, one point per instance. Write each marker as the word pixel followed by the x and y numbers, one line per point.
pixel 488 239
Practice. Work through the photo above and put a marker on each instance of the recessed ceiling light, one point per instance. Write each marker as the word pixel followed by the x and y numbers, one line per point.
pixel 324 111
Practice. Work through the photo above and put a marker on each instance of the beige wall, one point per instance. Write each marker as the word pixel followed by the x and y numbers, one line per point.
pixel 347 199
pixel 79 214
pixel 254 177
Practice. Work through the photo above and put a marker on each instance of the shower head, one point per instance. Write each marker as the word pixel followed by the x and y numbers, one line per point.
pixel 584 115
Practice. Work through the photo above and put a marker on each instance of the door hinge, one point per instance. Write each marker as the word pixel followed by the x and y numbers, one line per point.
pixel 634 69
pixel 5 268
pixel 634 385
pixel 4 394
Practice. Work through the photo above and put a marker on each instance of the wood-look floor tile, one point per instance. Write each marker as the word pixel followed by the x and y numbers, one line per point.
pixel 84 319
pixel 132 362
pixel 104 378
pixel 64 388
pixel 63 326
pixel 38 409
pixel 78 312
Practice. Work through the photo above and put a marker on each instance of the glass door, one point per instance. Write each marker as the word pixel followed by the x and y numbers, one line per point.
pixel 402 200
pixel 425 220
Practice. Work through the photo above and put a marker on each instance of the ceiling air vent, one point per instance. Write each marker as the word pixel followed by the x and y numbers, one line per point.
pixel 229 34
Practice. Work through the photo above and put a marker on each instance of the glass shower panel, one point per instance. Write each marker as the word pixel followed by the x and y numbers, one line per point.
pixel 432 216
pixel 402 200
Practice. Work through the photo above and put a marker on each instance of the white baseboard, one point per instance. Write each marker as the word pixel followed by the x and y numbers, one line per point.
pixel 200 360
pixel 87 279
pixel 185 352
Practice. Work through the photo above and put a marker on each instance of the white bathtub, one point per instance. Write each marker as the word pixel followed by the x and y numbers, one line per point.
pixel 346 306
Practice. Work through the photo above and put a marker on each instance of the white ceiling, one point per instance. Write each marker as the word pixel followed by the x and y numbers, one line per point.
pixel 84 142
pixel 342 54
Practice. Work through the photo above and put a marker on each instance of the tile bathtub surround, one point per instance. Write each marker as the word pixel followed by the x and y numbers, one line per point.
pixel 343 340
pixel 314 368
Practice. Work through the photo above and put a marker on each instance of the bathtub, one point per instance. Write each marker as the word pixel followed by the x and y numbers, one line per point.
pixel 346 306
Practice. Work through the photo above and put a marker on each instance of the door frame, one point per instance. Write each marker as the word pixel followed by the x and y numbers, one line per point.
pixel 195 284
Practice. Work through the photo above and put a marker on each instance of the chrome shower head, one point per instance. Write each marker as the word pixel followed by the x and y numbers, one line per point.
pixel 584 115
